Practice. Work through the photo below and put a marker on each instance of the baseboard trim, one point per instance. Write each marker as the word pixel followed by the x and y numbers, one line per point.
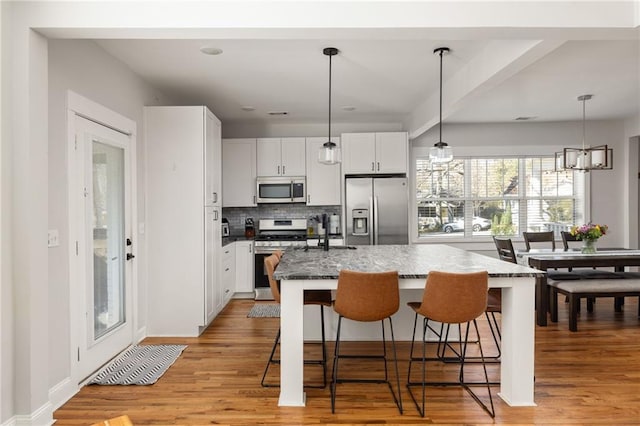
pixel 62 392
pixel 43 416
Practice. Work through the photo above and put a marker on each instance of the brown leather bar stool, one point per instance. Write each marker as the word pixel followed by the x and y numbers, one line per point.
pixel 321 298
pixel 367 297
pixel 452 299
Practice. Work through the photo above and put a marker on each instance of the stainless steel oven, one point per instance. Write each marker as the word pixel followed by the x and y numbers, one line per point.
pixel 275 234
pixel 281 190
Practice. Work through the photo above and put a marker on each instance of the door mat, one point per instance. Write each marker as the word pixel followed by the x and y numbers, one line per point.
pixel 139 365
pixel 264 310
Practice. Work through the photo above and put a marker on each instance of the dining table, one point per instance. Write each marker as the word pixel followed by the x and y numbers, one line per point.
pixel 301 270
pixel 546 259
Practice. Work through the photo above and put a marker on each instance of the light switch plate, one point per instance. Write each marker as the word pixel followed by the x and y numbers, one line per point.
pixel 53 238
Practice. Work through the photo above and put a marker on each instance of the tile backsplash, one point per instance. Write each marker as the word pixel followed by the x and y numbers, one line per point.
pixel 237 215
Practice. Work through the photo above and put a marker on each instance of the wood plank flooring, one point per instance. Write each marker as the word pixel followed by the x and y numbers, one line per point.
pixel 588 377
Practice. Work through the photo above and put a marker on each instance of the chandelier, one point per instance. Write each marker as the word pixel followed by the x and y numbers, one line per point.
pixel 586 158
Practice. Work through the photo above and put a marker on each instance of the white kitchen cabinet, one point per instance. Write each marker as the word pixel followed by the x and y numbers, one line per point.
pixel 245 259
pixel 239 173
pixel 372 153
pixel 323 180
pixel 183 222
pixel 281 156
pixel 228 272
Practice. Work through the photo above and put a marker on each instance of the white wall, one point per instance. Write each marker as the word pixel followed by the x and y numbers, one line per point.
pixel 6 314
pixel 85 68
pixel 608 198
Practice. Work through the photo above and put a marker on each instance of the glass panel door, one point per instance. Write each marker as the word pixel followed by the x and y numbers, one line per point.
pixel 102 185
pixel 108 238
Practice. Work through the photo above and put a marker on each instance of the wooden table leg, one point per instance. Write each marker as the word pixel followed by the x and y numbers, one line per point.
pixel 542 300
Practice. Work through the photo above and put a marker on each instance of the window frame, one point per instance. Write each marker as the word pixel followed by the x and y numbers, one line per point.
pixel 521 153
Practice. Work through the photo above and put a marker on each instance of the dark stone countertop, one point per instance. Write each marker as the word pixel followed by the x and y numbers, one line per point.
pixel 411 261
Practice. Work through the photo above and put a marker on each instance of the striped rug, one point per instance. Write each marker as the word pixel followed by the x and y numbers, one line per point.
pixel 139 365
pixel 264 310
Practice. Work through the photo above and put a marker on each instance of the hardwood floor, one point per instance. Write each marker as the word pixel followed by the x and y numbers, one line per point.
pixel 588 377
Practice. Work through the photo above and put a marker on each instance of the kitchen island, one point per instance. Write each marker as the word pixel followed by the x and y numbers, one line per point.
pixel 301 270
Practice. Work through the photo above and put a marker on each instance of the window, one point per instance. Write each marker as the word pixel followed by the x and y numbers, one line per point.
pixel 475 197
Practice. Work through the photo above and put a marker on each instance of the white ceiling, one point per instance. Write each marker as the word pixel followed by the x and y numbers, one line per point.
pixel 391 78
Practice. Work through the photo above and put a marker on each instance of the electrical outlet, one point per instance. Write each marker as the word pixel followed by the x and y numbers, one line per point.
pixel 53 238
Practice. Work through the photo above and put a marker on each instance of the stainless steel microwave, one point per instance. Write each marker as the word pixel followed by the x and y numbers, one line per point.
pixel 281 190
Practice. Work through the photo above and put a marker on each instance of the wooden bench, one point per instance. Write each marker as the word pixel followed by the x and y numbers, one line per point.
pixel 624 284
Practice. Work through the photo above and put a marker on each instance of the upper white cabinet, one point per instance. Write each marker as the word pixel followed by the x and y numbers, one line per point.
pixel 323 180
pixel 183 221
pixel 367 153
pixel 239 173
pixel 212 152
pixel 281 156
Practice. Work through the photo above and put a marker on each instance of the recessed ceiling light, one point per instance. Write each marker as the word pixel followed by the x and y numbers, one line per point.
pixel 525 118
pixel 348 108
pixel 210 50
pixel 247 108
pixel 277 113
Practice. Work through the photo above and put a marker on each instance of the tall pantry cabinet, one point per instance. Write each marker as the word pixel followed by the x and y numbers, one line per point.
pixel 183 221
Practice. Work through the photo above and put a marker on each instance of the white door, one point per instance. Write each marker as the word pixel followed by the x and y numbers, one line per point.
pixel 104 245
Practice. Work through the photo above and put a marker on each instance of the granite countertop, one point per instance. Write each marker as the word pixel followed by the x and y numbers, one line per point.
pixel 411 261
pixel 233 238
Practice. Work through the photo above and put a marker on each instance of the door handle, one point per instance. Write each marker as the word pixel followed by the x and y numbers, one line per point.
pixel 373 167
pixel 378 166
pixel 278 170
pixel 215 197
pixel 283 172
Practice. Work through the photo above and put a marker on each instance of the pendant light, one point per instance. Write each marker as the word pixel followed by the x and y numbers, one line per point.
pixel 329 153
pixel 586 158
pixel 441 152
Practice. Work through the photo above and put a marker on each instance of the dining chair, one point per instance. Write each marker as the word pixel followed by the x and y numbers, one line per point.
pixel 367 297
pixel 539 237
pixel 321 298
pixel 505 249
pixel 452 299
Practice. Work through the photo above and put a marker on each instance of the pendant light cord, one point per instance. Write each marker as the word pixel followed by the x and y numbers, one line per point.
pixel 440 125
pixel 329 135
pixel 584 102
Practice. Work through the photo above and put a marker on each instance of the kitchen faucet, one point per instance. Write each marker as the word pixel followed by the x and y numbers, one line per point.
pixel 325 225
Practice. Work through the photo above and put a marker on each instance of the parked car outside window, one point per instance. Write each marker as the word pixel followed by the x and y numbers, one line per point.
pixel 478 224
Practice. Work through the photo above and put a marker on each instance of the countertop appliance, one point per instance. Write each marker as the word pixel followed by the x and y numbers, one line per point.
pixel 376 210
pixel 334 224
pixel 272 235
pixel 275 189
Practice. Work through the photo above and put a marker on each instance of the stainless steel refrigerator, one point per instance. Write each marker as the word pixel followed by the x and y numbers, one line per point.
pixel 376 210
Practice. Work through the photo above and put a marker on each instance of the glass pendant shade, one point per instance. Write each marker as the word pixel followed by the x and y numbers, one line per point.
pixel 440 153
pixel 329 153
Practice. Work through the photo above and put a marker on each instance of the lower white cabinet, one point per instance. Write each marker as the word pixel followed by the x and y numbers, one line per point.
pixel 245 259
pixel 228 272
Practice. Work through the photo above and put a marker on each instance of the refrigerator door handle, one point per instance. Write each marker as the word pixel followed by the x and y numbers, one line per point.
pixel 370 220
pixel 375 221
